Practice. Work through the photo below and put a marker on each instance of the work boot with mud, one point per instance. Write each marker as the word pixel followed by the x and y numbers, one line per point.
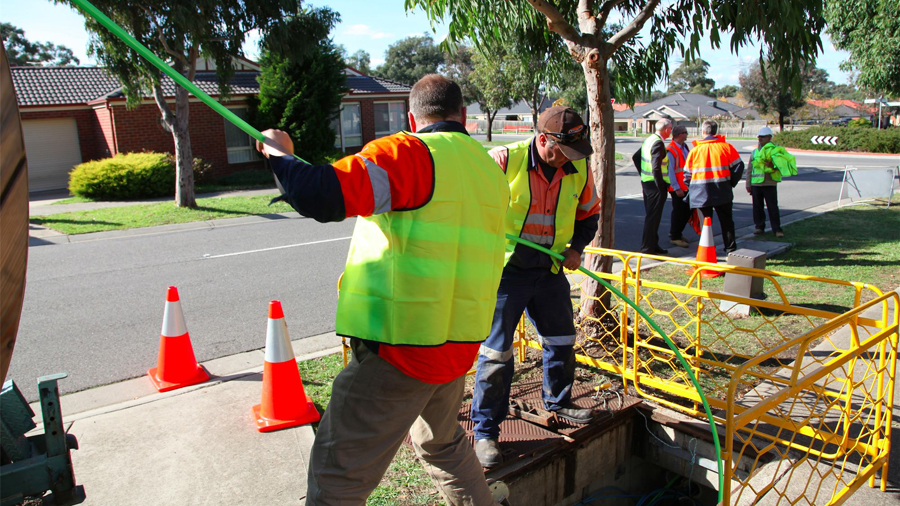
pixel 488 452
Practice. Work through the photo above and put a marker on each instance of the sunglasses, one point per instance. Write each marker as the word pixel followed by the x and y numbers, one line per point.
pixel 568 138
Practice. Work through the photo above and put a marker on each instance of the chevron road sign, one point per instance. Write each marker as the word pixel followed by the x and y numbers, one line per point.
pixel 823 139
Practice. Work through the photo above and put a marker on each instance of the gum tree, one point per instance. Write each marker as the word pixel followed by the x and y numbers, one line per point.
pixel 624 64
pixel 180 31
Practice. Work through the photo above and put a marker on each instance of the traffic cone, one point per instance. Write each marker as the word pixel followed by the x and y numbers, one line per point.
pixel 706 251
pixel 284 403
pixel 176 366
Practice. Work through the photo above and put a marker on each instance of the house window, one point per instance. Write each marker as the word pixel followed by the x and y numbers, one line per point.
pixel 351 125
pixel 240 146
pixel 390 118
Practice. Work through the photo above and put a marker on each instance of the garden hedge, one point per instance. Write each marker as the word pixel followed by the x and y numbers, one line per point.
pixel 865 140
pixel 129 176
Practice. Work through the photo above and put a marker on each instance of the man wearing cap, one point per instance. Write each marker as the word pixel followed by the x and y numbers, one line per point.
pixel 681 211
pixel 654 168
pixel 552 203
pixel 763 187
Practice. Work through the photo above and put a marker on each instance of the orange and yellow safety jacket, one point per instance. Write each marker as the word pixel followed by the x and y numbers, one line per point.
pixel 711 170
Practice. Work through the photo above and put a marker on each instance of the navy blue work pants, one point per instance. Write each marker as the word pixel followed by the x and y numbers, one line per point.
pixel 545 299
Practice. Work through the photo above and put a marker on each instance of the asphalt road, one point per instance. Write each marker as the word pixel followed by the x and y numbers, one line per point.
pixel 94 309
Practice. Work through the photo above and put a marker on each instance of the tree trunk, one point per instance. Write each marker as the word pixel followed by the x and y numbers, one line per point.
pixel 781 120
pixel 184 155
pixel 177 125
pixel 490 123
pixel 603 166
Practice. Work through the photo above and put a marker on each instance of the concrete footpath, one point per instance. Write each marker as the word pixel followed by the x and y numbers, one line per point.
pixel 197 445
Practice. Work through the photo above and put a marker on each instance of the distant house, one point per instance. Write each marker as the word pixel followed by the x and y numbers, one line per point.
pixel 684 108
pixel 520 111
pixel 74 114
pixel 837 109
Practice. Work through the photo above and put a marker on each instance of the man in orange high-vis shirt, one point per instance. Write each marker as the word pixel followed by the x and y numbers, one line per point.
pixel 712 169
pixel 681 210
pixel 408 190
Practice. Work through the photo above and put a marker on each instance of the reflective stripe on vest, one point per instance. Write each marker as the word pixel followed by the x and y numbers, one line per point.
pixel 562 222
pixel 430 275
pixel 711 164
pixel 646 167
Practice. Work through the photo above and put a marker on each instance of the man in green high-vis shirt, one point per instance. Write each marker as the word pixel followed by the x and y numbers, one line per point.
pixel 762 186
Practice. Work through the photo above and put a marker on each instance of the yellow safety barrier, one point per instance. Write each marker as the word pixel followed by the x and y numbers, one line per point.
pixel 787 343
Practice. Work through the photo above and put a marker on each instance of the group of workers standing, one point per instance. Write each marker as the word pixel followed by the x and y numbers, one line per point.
pixel 702 178
pixel 432 283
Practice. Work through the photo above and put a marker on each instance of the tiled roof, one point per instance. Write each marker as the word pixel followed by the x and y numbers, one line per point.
pixel 686 104
pixel 242 83
pixel 61 85
pixel 42 86
pixel 371 84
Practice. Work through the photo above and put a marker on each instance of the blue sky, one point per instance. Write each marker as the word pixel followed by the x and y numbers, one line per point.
pixel 368 25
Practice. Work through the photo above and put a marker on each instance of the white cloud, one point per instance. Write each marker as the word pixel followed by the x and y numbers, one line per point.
pixel 366 31
pixel 376 62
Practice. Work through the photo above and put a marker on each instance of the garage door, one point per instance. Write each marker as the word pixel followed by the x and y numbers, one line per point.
pixel 52 148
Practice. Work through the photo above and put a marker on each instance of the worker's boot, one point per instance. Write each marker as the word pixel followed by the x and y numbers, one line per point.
pixel 488 452
pixel 575 414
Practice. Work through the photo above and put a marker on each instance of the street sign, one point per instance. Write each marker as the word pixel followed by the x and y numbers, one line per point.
pixel 868 183
pixel 824 139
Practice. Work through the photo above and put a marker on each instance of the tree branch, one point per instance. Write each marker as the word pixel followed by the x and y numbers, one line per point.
pixel 617 40
pixel 161 37
pixel 605 9
pixel 556 22
pixel 166 112
pixel 586 20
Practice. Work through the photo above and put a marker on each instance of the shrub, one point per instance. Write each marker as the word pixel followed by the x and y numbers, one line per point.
pixel 865 140
pixel 129 176
pixel 859 123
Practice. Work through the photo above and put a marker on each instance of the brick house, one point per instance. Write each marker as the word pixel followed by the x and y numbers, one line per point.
pixel 75 114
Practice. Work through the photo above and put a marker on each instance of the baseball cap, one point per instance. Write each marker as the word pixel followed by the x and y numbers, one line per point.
pixel 764 131
pixel 568 129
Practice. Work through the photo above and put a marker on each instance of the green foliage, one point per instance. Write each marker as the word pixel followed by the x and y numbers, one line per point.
pixel 760 85
pixel 407 60
pixel 458 67
pixel 867 140
pixel 128 176
pixel 729 90
pixel 492 79
pixel 124 176
pixel 302 82
pixel 859 123
pixel 21 51
pixel 691 77
pixel 870 31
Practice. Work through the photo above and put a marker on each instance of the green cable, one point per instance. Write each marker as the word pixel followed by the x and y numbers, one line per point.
pixel 256 134
pixel 126 37
pixel 684 364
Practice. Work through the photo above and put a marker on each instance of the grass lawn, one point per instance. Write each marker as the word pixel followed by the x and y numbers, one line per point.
pixel 161 213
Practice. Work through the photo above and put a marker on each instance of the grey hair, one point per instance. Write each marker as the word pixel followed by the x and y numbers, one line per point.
pixel 663 124
pixel 710 127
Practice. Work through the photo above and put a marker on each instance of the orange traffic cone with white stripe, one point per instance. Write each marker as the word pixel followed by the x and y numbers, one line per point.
pixel 176 366
pixel 706 251
pixel 284 403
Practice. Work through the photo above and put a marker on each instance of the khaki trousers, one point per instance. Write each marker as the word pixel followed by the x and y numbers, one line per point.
pixel 372 407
